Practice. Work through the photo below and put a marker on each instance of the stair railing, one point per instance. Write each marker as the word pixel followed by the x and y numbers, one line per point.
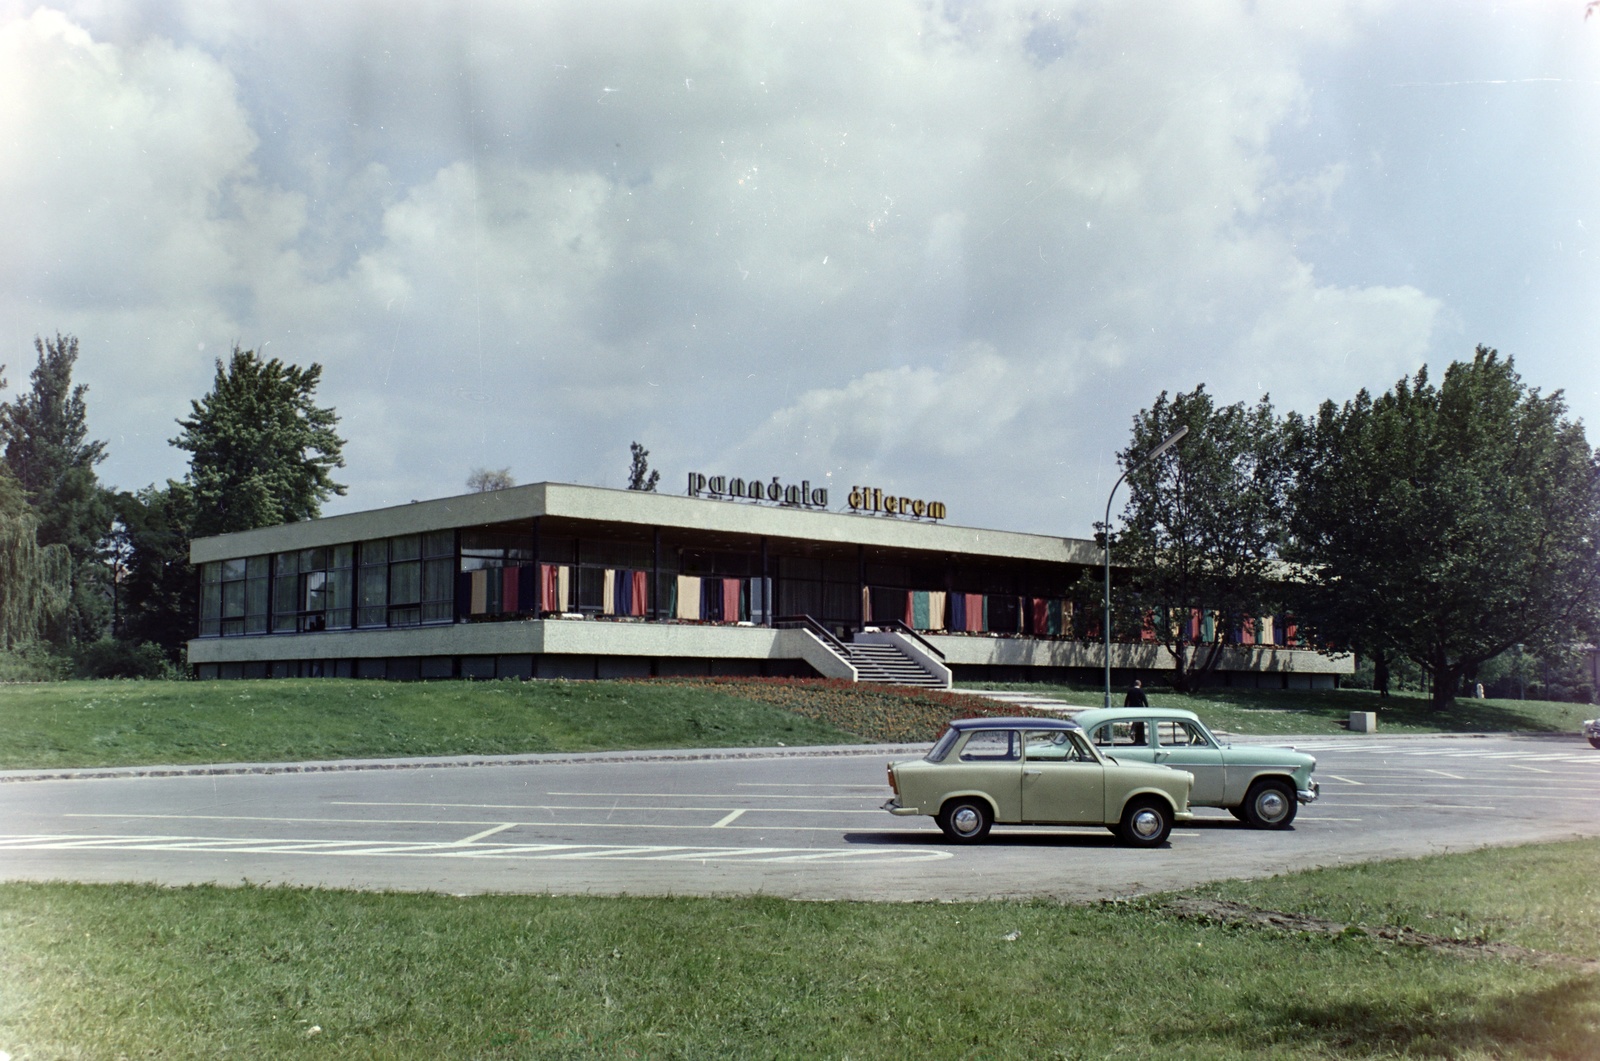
pixel 806 622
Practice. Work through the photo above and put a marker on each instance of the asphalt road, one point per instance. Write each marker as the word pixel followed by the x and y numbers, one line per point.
pixel 786 824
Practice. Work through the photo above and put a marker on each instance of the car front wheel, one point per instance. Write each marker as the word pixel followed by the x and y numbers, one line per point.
pixel 965 821
pixel 1594 742
pixel 1145 823
pixel 1270 805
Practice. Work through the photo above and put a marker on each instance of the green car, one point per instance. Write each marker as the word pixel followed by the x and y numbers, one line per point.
pixel 1035 771
pixel 1262 786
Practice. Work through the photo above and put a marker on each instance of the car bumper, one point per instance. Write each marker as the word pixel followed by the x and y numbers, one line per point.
pixel 893 807
pixel 1309 794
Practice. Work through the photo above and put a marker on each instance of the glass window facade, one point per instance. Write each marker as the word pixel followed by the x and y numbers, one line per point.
pixel 403 581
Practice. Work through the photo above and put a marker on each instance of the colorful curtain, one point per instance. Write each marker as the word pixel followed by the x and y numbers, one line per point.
pixel 639 595
pixel 688 594
pixel 732 591
pixel 480 592
pixel 508 589
pixel 555 588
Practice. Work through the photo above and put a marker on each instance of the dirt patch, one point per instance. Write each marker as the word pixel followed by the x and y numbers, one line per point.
pixel 1229 913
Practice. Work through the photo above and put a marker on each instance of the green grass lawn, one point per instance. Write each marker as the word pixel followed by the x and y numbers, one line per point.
pixel 101 971
pixel 117 723
pixel 112 723
pixel 1263 711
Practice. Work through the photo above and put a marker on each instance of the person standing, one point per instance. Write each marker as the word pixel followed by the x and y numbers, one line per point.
pixel 1135 696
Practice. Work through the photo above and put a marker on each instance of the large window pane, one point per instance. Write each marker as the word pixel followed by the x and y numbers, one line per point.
pixel 316 591
pixel 439 543
pixel 405 583
pixel 438 580
pixel 232 599
pixel 338 587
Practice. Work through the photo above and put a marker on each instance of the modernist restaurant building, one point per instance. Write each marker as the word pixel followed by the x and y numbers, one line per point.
pixel 552 580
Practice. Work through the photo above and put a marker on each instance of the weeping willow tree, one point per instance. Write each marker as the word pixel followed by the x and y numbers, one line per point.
pixel 35 580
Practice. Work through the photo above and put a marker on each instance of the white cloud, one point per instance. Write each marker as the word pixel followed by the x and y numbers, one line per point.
pixel 940 243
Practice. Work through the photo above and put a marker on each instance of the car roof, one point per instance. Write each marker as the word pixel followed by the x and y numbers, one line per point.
pixel 1013 723
pixel 1095 716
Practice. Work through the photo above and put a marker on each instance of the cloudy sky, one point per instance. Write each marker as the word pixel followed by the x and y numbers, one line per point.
pixel 945 247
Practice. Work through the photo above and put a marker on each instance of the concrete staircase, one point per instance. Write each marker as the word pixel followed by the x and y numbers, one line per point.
pixel 887 665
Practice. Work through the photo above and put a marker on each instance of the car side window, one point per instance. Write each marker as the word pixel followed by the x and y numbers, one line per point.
pixel 1121 735
pixel 1179 734
pixel 990 746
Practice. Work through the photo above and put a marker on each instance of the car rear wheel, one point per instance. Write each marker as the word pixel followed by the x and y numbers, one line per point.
pixel 965 820
pixel 1594 742
pixel 1145 823
pixel 1270 804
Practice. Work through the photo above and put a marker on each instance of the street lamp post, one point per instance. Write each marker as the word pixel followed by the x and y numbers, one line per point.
pixel 1171 440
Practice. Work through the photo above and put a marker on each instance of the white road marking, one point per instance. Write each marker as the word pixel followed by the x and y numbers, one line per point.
pixel 1418 806
pixel 732 816
pixel 542 852
pixel 532 824
pixel 795 784
pixel 606 807
pixel 1443 773
pixel 1532 769
pixel 1346 780
pixel 475 837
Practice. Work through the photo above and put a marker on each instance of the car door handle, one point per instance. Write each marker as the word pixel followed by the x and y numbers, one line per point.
pixel 1162 755
pixel 1031 773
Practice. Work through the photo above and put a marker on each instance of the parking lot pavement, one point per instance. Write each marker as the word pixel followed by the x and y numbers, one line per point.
pixel 805 825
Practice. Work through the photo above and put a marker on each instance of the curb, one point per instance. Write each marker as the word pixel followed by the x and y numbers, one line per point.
pixel 448 762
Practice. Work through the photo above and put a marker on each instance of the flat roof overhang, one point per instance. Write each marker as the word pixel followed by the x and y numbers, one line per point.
pixel 710 520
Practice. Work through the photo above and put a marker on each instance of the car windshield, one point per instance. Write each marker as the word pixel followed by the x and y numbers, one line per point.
pixel 941 749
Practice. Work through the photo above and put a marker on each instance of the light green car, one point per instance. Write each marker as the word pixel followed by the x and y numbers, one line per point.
pixel 1262 786
pixel 1035 771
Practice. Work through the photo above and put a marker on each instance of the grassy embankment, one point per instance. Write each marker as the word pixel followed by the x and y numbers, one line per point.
pixel 88 724
pixel 1253 711
pixel 110 971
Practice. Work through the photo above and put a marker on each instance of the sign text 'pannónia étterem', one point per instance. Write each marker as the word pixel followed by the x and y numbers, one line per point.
pixel 862 498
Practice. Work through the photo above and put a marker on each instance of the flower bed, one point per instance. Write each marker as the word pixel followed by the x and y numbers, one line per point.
pixel 885 714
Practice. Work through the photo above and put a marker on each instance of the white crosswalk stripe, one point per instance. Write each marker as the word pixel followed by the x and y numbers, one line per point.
pixel 457 849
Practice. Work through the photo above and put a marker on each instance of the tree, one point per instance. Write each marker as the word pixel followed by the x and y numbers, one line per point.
pixel 483 480
pixel 262 452
pixel 48 450
pixel 1202 525
pixel 1447 524
pixel 156 591
pixel 640 477
pixel 35 582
